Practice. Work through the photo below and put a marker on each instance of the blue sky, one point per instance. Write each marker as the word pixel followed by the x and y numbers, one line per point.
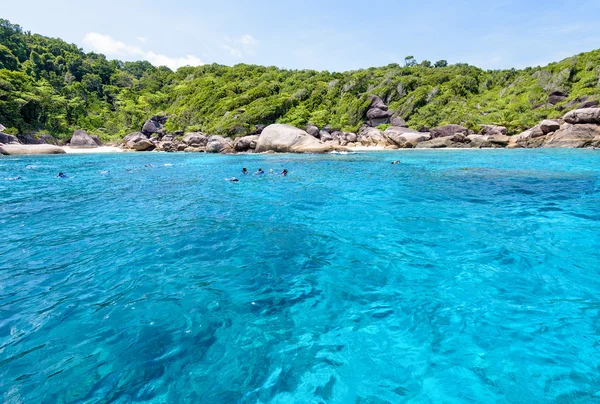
pixel 322 35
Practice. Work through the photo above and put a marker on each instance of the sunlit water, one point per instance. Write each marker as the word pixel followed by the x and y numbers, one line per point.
pixel 455 276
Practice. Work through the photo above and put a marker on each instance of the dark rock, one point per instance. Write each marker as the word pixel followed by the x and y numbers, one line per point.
pixel 590 104
pixel 557 96
pixel 448 130
pixel 47 139
pixel 425 129
pixel 397 121
pixel 259 129
pixel 377 103
pixel 548 126
pixel 246 143
pixel 5 138
pixel 490 130
pixel 97 140
pixel 150 127
pixel 325 136
pixel 81 139
pixel 312 130
pixel 376 113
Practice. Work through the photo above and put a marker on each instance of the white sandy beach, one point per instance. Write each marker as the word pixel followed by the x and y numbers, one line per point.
pixel 101 149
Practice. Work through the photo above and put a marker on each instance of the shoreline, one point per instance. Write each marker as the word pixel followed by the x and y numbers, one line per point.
pixel 95 150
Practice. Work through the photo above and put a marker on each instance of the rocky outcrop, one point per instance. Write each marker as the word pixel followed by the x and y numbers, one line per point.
pixel 138 141
pixel 368 136
pixel 155 125
pixel 549 126
pixel 96 139
pixel 19 149
pixel 448 130
pixel 36 139
pixel 398 122
pixel 557 96
pixel 312 130
pixel 219 144
pixel 404 137
pixel 81 139
pixel 574 136
pixel 490 130
pixel 584 115
pixel 458 140
pixel 142 145
pixel 246 143
pixel 377 112
pixel 288 139
pixel 195 139
pixel 5 138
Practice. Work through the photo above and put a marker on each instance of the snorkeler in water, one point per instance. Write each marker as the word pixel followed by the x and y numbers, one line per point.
pixel 396 162
pixel 244 171
pixel 259 172
pixel 62 175
pixel 284 172
pixel 232 179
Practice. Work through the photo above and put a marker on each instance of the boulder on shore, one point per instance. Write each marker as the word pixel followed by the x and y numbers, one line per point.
pixel 219 144
pixel 458 140
pixel 5 138
pixel 195 139
pixel 399 122
pixel 246 143
pixel 549 126
pixel 283 138
pixel 448 130
pixel 82 140
pixel 138 141
pixel 312 130
pixel 368 136
pixel 490 130
pixel 404 137
pixel 20 149
pixel 574 136
pixel 584 115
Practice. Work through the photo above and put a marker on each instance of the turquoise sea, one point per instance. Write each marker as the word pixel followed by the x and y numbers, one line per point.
pixel 467 276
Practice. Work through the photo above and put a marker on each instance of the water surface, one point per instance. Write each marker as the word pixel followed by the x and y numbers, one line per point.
pixel 456 276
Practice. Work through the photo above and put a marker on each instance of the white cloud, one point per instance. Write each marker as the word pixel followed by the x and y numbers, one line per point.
pixel 142 39
pixel 239 47
pixel 172 63
pixel 111 47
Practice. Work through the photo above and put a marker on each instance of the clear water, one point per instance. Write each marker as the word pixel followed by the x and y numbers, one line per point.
pixel 456 276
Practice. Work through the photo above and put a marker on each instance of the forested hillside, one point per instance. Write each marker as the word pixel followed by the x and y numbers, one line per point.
pixel 48 85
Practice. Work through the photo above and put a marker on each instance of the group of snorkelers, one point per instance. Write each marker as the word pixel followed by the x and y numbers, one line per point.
pixel 260 171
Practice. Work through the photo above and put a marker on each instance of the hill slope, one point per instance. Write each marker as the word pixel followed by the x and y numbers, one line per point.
pixel 49 85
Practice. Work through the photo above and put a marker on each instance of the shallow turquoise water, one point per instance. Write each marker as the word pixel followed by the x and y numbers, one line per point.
pixel 457 276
